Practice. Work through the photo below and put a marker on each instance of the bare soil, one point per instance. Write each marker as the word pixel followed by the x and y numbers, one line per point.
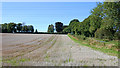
pixel 50 50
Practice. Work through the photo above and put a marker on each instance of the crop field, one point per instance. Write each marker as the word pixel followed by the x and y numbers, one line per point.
pixel 50 50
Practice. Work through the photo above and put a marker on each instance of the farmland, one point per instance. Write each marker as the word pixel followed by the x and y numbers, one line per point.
pixel 50 50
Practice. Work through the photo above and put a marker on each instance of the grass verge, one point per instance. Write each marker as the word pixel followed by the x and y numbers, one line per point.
pixel 104 50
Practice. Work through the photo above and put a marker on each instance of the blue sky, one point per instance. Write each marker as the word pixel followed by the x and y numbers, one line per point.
pixel 42 14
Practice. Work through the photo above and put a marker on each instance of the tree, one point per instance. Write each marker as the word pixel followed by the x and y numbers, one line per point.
pixel 110 21
pixel 26 28
pixel 72 23
pixel 36 31
pixel 51 28
pixel 23 28
pixel 67 30
pixel 104 34
pixel 11 27
pixel 111 18
pixel 74 20
pixel 4 27
pixel 95 18
pixel 65 26
pixel 0 28
pixel 19 27
pixel 30 28
pixel 74 27
pixel 59 26
pixel 85 27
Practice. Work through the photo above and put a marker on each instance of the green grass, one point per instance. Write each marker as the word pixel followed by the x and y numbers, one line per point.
pixel 104 50
pixel 15 62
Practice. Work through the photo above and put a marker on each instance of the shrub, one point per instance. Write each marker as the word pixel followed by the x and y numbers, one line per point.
pixel 104 34
pixel 80 37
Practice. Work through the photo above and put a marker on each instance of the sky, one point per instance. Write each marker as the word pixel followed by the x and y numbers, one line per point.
pixel 42 14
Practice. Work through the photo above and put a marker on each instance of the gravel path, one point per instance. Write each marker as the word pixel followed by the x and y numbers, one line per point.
pixel 53 50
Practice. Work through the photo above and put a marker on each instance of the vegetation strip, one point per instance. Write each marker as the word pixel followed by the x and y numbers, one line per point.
pixel 107 51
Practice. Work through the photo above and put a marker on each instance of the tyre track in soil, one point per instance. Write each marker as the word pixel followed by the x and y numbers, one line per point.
pixel 38 54
pixel 18 48
pixel 24 49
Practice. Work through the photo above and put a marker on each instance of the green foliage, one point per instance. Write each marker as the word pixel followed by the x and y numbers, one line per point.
pixel 117 35
pixel 104 34
pixel 103 23
pixel 95 18
pixel 73 25
pixel 67 30
pixel 51 28
pixel 74 20
pixel 13 27
pixel 111 21
pixel 80 37
pixel 4 27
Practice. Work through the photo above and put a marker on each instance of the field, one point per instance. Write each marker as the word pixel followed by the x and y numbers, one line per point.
pixel 50 50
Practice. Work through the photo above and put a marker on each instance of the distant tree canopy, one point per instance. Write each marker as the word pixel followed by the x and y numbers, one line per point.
pixel 0 28
pixel 59 26
pixel 36 31
pixel 51 28
pixel 13 27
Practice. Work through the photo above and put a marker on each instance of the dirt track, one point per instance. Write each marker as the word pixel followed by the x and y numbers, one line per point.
pixel 50 50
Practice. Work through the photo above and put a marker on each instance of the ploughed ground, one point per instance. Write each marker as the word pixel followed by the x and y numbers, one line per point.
pixel 50 50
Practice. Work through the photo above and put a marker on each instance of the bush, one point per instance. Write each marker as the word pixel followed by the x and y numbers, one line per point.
pixel 117 35
pixel 104 34
pixel 80 37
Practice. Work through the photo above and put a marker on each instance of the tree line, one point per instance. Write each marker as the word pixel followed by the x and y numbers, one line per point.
pixel 16 28
pixel 59 27
pixel 103 23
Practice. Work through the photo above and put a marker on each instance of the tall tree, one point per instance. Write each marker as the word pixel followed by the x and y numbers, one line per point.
pixel 110 20
pixel 51 28
pixel 59 26
pixel 95 18
pixel 71 25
